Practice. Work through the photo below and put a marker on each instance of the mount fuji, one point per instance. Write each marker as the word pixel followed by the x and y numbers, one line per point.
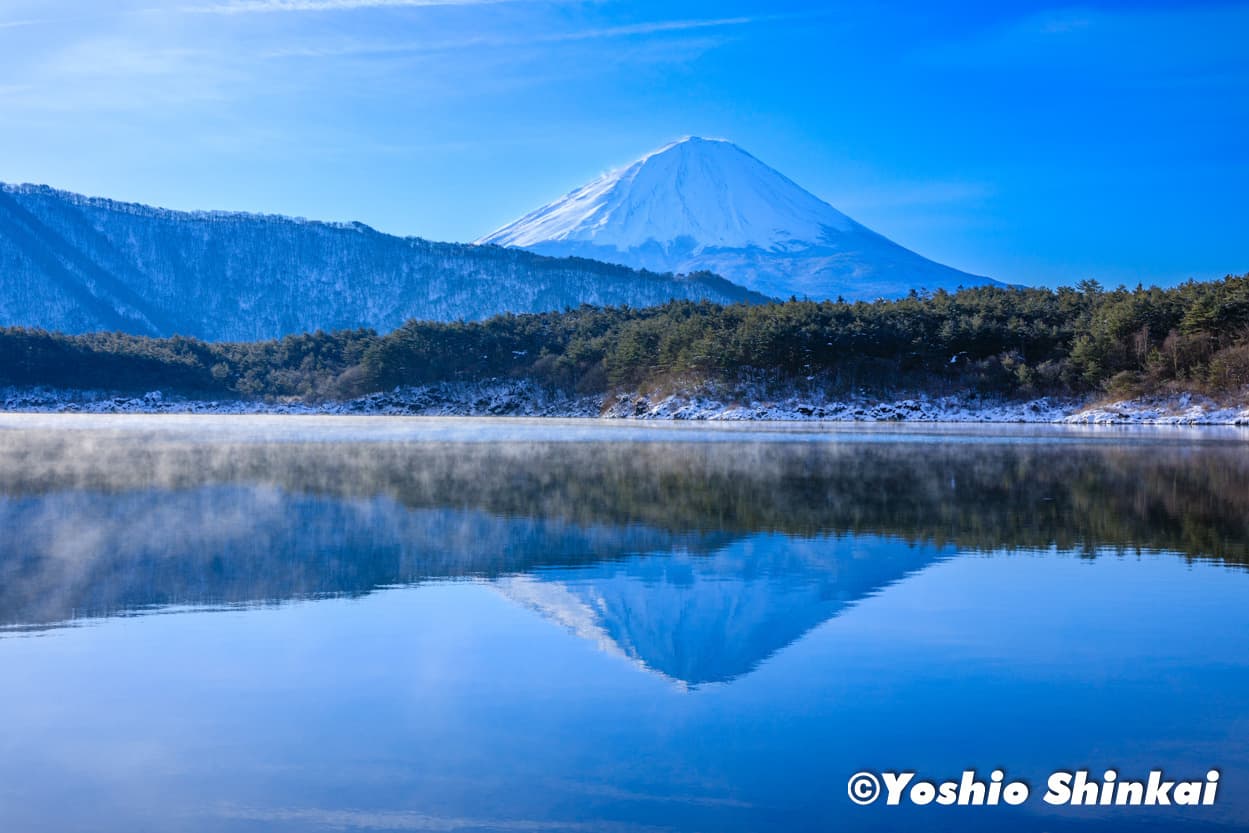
pixel 706 204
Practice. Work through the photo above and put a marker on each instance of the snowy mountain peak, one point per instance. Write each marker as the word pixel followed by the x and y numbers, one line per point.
pixel 709 191
pixel 706 204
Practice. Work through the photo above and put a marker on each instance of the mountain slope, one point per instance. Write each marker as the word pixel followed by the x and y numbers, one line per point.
pixel 715 616
pixel 701 204
pixel 79 264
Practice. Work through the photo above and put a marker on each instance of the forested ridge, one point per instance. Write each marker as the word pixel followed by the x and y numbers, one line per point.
pixel 78 264
pixel 1008 342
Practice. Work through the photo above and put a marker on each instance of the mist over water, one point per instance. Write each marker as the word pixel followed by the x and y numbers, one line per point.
pixel 508 625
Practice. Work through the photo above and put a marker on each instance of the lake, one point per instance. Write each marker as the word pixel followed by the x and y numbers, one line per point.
pixel 371 624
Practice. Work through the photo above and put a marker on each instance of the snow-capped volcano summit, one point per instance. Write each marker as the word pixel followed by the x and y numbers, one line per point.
pixel 706 204
pixel 708 190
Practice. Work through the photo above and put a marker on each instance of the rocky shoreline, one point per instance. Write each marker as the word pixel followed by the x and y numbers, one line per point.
pixel 513 398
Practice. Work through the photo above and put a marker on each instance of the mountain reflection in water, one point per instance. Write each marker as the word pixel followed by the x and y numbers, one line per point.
pixel 697 561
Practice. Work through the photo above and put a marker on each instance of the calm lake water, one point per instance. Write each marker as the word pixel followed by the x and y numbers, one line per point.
pixel 290 624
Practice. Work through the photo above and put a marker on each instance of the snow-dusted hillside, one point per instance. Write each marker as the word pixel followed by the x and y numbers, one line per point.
pixel 77 264
pixel 702 204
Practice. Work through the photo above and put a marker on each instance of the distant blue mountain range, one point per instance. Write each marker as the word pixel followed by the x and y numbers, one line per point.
pixel 76 264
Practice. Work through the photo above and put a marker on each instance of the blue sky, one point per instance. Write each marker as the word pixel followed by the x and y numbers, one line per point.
pixel 1033 142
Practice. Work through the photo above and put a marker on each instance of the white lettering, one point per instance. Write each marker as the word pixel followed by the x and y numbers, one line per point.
pixel 895 783
pixel 1058 788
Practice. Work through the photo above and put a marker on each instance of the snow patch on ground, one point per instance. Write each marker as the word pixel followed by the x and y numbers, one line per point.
pixel 1184 409
pixel 493 398
pixel 853 409
pixel 522 398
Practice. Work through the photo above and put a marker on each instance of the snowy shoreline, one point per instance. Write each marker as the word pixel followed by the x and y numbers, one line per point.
pixel 524 399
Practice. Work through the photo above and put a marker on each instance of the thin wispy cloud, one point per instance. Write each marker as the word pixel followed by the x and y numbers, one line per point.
pixel 270 6
pixel 624 31
pixel 653 28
